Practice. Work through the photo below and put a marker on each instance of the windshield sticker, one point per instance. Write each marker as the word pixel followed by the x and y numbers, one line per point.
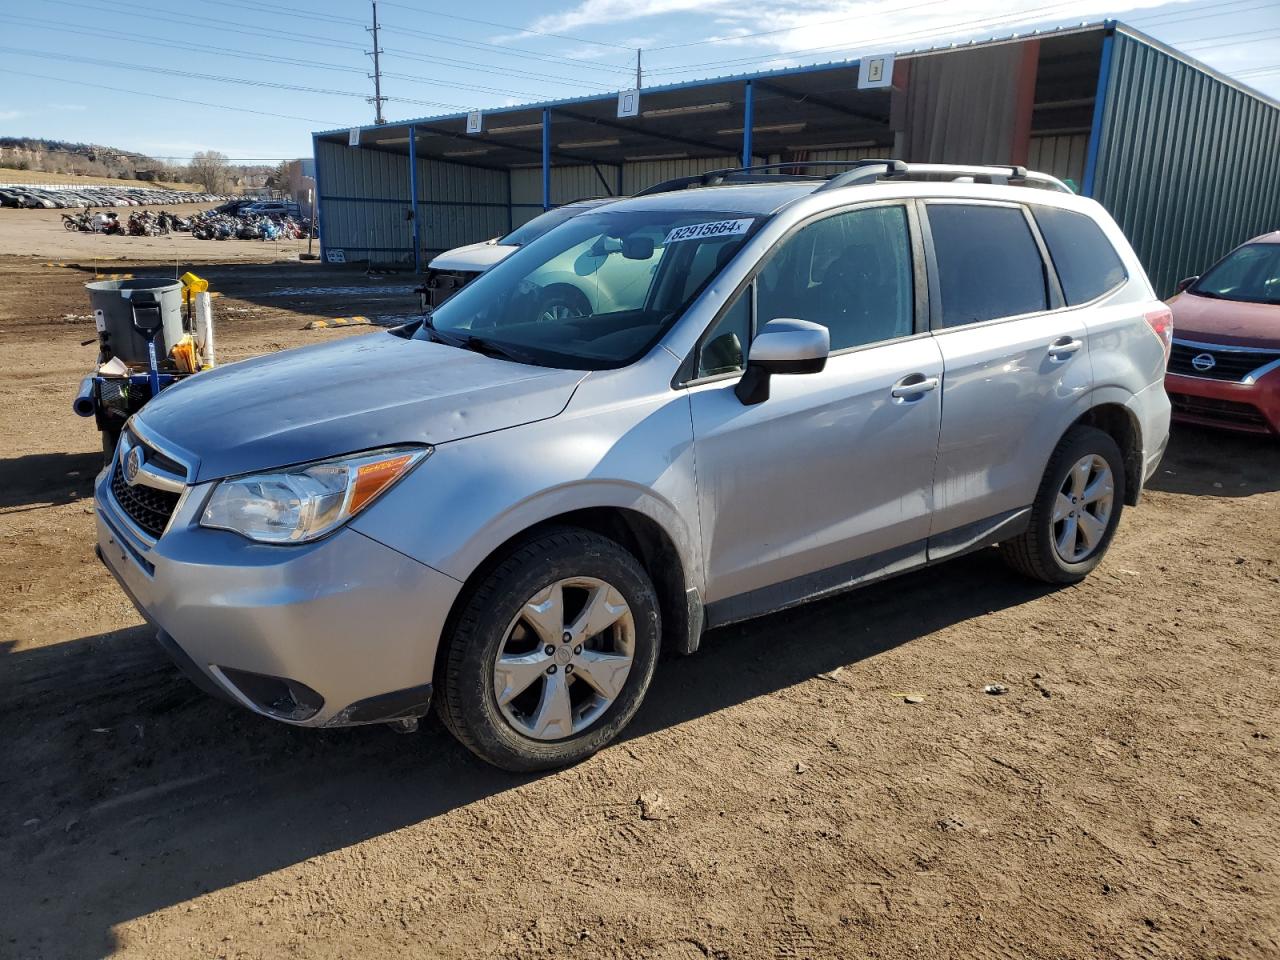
pixel 718 228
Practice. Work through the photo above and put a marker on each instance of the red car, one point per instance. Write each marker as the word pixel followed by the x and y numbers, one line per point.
pixel 1224 370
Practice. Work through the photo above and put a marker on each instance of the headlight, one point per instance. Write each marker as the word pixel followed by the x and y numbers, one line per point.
pixel 304 503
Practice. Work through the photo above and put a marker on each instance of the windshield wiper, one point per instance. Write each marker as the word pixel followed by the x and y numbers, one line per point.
pixel 467 341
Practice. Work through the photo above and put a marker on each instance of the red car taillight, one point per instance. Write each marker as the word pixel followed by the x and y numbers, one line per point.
pixel 1161 324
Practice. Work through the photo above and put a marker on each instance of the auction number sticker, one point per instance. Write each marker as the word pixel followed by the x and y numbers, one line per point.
pixel 717 228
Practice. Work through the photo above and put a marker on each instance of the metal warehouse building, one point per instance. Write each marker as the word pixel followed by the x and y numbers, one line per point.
pixel 1186 159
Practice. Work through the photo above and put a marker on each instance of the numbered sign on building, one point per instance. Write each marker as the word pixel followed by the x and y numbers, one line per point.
pixel 353 137
pixel 475 121
pixel 629 103
pixel 875 72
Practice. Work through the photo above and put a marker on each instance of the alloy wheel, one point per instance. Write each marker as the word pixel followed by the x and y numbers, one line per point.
pixel 565 658
pixel 1082 509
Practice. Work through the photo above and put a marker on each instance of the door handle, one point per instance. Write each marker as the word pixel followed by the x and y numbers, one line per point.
pixel 912 386
pixel 1063 347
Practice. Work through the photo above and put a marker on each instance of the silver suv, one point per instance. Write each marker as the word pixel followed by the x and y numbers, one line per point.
pixel 780 387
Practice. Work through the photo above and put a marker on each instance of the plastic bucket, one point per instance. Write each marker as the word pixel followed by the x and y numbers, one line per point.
pixel 114 303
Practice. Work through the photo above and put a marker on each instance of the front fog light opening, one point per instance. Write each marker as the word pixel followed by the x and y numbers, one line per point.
pixel 279 697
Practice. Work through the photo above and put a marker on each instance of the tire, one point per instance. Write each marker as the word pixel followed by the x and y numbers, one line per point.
pixel 1038 552
pixel 493 623
pixel 563 303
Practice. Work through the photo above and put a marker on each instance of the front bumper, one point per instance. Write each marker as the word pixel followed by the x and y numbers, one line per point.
pixel 337 632
pixel 1227 404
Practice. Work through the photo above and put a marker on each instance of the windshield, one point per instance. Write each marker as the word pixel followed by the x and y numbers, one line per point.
pixel 596 292
pixel 539 225
pixel 1250 273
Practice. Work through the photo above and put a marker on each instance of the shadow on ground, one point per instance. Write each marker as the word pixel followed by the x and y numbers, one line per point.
pixel 1217 463
pixel 146 793
pixel 39 479
pixel 304 287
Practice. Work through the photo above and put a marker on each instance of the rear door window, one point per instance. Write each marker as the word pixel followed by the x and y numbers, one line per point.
pixel 989 265
pixel 1087 264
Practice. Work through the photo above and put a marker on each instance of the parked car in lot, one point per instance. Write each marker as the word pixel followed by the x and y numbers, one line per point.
pixel 50 197
pixel 272 208
pixel 454 269
pixel 1225 367
pixel 778 391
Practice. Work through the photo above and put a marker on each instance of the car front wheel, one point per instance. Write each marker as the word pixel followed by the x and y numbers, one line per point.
pixel 552 653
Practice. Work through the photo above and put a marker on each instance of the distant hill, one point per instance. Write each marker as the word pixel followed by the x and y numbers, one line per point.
pixel 82 159
pixel 10 175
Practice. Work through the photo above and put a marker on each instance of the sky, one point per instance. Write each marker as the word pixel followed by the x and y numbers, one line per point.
pixel 254 78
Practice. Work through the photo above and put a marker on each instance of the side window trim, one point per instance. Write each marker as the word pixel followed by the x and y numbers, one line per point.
pixel 1053 291
pixel 1052 283
pixel 686 375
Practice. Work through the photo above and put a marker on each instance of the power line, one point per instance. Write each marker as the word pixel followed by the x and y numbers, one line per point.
pixel 191 75
pixel 232 26
pixel 506 26
pixel 925 33
pixel 1178 17
pixel 1254 36
pixel 236 53
pixel 270 58
pixel 508 51
pixel 281 9
pixel 160 96
pixel 804 26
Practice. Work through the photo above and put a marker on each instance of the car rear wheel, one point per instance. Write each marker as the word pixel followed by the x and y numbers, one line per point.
pixel 1076 510
pixel 552 654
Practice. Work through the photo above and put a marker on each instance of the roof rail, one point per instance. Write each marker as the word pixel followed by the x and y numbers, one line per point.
pixel 862 172
pixel 755 174
pixel 899 170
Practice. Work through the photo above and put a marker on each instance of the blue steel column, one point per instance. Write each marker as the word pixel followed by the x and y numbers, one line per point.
pixel 546 159
pixel 315 206
pixel 748 118
pixel 413 196
pixel 1099 111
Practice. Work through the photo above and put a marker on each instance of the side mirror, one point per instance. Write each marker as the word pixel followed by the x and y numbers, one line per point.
pixel 1183 284
pixel 783 346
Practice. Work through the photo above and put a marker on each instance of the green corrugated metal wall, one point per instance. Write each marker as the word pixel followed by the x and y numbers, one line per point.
pixel 1187 164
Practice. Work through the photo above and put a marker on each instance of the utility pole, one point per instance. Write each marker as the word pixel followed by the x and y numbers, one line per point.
pixel 637 68
pixel 377 99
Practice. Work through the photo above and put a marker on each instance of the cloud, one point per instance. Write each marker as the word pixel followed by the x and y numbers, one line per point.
pixel 11 114
pixel 590 12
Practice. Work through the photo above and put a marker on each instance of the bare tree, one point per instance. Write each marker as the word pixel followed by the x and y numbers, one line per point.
pixel 209 169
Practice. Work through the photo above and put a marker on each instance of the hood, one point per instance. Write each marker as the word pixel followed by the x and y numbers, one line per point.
pixel 360 393
pixel 474 257
pixel 1229 322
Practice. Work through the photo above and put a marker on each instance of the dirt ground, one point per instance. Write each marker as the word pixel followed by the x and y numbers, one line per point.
pixel 1120 800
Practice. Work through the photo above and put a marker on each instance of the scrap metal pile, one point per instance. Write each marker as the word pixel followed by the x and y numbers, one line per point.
pixel 212 225
pixel 206 225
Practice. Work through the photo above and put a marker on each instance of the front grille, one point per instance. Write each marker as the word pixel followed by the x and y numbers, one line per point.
pixel 157 459
pixel 1223 411
pixel 1228 364
pixel 146 506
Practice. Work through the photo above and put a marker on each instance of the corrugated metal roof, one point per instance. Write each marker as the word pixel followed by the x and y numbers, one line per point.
pixel 780 72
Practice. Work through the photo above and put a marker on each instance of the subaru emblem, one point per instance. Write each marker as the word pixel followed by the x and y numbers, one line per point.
pixel 132 464
pixel 1203 362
